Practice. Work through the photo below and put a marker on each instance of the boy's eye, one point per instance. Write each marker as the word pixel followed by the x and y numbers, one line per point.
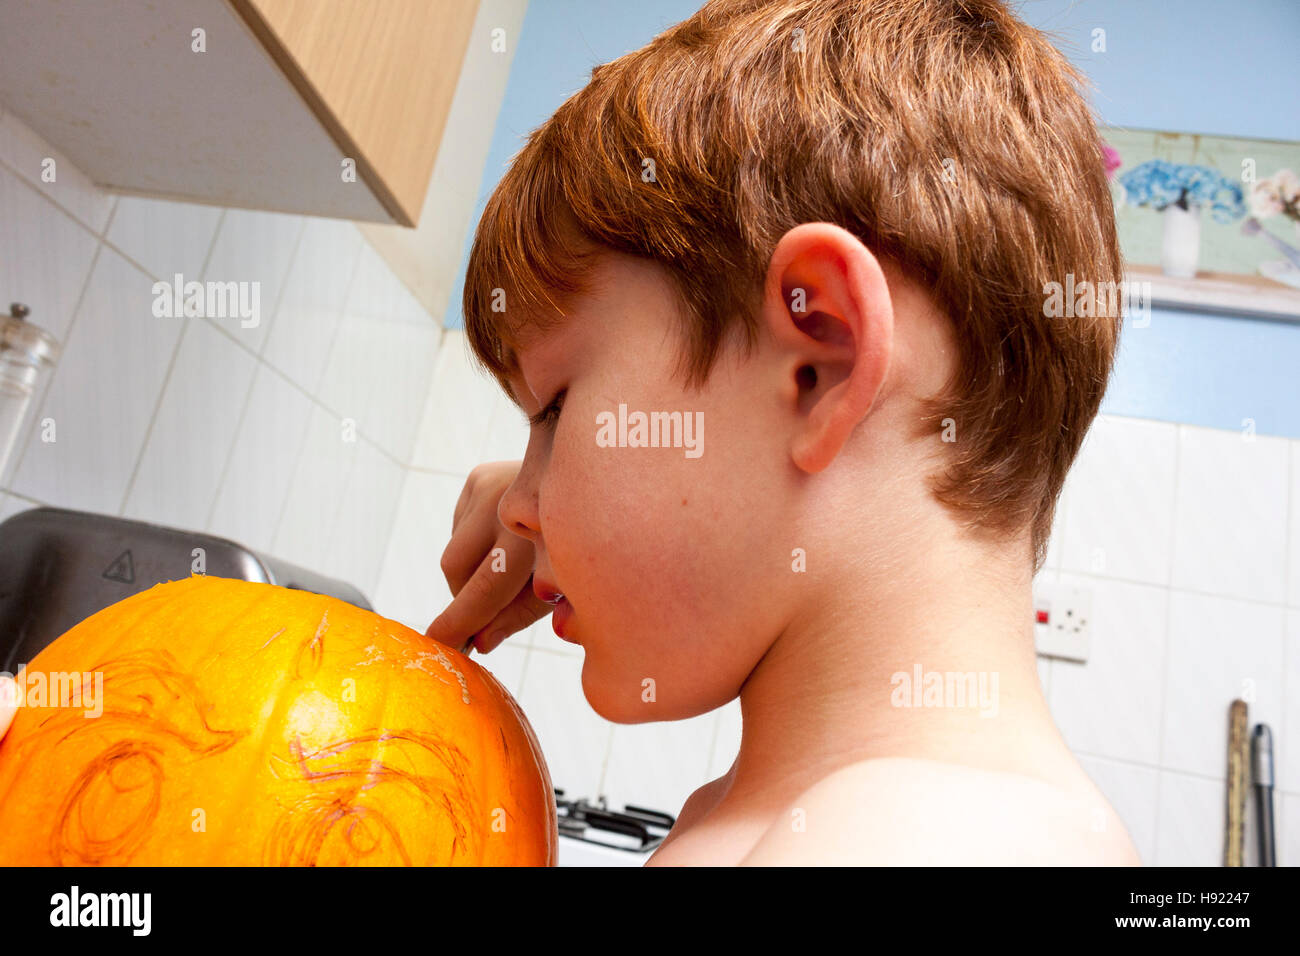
pixel 548 415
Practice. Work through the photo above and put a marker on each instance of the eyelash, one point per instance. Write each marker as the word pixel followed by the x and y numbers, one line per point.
pixel 548 415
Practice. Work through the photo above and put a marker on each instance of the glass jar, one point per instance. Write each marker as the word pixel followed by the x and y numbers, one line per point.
pixel 27 353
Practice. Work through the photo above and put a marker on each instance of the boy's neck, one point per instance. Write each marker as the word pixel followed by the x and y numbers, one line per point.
pixel 838 686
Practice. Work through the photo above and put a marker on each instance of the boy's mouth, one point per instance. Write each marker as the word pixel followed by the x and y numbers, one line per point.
pixel 563 609
pixel 546 591
pixel 560 621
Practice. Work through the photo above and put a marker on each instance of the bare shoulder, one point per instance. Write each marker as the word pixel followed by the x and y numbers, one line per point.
pixel 699 803
pixel 901 811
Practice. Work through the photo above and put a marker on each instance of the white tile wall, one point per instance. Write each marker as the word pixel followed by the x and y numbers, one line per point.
pixel 1187 538
pixel 658 765
pixel 45 255
pixel 375 313
pixel 1120 515
pixel 507 664
pixel 1219 650
pixel 12 504
pixel 575 739
pixel 256 247
pixel 377 365
pixel 359 539
pixel 164 237
pixel 315 500
pixel 102 394
pixel 459 410
pixel 48 170
pixel 411 586
pixel 256 483
pixel 1125 669
pixel 1293 550
pixel 1288 838
pixel 1230 523
pixel 193 429
pixel 1287 745
pixel 198 422
pixel 311 304
pixel 507 435
pixel 1189 820
pixel 727 742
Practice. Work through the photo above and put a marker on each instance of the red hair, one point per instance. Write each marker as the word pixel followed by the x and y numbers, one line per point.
pixel 947 135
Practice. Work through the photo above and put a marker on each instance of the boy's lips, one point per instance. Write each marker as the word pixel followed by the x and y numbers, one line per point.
pixel 560 617
pixel 546 591
pixel 560 620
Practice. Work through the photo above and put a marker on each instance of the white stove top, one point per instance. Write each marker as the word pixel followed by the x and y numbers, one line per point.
pixel 591 834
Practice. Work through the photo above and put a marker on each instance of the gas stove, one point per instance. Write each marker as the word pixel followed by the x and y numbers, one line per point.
pixel 594 835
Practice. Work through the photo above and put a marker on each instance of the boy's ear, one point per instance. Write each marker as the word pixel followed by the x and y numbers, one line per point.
pixel 827 305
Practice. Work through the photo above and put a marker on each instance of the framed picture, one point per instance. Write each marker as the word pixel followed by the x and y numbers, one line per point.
pixel 1211 222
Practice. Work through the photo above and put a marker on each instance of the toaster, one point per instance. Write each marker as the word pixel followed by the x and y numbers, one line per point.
pixel 58 567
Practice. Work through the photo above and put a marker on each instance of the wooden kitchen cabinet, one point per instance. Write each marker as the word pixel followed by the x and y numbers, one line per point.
pixel 325 107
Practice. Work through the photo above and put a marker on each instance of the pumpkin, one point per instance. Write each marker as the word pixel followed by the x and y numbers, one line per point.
pixel 250 724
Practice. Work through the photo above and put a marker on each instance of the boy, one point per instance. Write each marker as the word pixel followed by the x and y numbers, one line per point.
pixel 771 291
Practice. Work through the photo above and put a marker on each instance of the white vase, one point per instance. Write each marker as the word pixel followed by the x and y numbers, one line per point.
pixel 1182 241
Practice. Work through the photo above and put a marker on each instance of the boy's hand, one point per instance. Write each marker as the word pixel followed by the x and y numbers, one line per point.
pixel 489 605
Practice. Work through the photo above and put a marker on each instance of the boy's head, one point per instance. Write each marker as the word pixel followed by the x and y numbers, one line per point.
pixel 825 228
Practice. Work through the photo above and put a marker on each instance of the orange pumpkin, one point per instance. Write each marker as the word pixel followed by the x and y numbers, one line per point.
pixel 250 724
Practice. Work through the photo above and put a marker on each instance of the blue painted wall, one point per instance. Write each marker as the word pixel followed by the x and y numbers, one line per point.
pixel 1202 66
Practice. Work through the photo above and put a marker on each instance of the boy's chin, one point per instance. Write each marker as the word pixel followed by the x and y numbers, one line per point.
pixel 627 703
pixel 616 707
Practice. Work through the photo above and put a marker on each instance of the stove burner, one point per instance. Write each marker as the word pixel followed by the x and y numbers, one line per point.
pixel 639 829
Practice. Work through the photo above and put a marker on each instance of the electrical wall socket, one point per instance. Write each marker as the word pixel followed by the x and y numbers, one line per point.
pixel 1068 612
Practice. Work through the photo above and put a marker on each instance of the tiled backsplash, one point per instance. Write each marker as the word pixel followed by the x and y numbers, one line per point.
pixel 1188 538
pixel 291 436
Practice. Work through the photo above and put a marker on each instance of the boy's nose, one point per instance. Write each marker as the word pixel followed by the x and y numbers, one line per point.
pixel 517 510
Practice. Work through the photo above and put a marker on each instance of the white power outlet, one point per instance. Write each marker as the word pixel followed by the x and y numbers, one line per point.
pixel 1062 618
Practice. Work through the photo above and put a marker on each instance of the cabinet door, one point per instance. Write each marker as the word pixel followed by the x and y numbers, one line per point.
pixel 381 77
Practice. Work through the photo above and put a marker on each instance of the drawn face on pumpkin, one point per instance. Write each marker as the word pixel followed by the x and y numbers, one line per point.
pixel 241 723
pixel 675 560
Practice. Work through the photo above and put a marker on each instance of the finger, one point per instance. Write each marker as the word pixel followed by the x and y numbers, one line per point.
pixel 465 550
pixel 484 595
pixel 462 504
pixel 526 609
pixel 464 553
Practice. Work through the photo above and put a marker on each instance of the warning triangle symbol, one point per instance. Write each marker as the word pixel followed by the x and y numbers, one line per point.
pixel 121 569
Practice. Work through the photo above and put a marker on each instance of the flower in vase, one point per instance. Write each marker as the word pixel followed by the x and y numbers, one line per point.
pixel 1159 184
pixel 1279 194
